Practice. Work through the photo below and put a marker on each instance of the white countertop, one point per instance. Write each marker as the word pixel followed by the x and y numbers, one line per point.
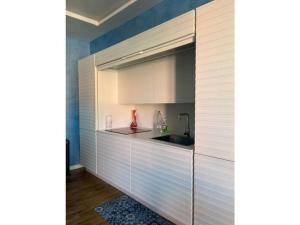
pixel 148 135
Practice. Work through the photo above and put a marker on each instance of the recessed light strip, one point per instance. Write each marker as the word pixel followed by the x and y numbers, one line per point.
pixel 95 22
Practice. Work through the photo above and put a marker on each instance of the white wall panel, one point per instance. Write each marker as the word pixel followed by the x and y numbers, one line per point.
pixel 213 191
pixel 179 27
pixel 88 150
pixel 162 176
pixel 214 129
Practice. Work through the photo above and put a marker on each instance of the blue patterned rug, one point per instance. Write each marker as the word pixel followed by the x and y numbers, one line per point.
pixel 126 211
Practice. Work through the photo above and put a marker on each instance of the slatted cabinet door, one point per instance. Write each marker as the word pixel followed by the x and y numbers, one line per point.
pixel 214 114
pixel 214 107
pixel 166 34
pixel 113 154
pixel 213 191
pixel 88 150
pixel 161 176
pixel 87 93
pixel 87 113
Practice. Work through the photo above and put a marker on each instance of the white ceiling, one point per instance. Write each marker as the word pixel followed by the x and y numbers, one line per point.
pixel 85 15
pixel 94 9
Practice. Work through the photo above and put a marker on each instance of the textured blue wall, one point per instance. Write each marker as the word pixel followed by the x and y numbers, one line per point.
pixel 75 50
pixel 165 10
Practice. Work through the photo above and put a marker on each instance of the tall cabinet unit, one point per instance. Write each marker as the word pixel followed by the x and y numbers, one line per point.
pixel 87 112
pixel 214 117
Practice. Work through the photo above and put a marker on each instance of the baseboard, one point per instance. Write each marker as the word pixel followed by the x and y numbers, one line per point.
pixel 75 167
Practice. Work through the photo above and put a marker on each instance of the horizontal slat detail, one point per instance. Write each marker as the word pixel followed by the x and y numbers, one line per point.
pixel 213 191
pixel 169 201
pixel 88 149
pixel 159 170
pixel 214 107
pixel 87 93
pixel 153 187
pixel 114 159
pixel 176 28
pixel 157 174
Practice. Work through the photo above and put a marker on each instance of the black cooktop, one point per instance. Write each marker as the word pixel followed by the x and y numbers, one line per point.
pixel 128 130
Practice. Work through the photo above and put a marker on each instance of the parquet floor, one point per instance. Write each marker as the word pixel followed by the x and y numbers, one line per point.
pixel 83 193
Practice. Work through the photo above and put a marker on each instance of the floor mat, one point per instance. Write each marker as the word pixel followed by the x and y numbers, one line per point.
pixel 126 211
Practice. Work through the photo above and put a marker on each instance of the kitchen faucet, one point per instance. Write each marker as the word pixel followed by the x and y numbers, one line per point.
pixel 187 128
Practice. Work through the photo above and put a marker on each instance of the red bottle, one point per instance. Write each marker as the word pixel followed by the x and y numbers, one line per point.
pixel 133 119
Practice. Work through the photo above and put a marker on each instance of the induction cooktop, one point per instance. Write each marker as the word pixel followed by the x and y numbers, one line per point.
pixel 128 130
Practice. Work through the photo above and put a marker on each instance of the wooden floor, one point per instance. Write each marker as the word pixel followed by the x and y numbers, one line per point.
pixel 84 193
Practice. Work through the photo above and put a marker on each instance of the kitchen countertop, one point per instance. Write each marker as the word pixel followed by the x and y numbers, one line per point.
pixel 148 135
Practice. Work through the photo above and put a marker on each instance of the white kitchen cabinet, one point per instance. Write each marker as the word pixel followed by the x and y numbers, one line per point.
pixel 87 93
pixel 214 104
pixel 161 177
pixel 113 160
pixel 214 114
pixel 87 113
pixel 88 150
pixel 169 79
pixel 213 191
pixel 173 33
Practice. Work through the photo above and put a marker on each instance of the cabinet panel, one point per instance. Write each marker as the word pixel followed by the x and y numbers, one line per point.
pixel 113 153
pixel 169 79
pixel 135 84
pixel 214 107
pixel 87 93
pixel 88 150
pixel 177 28
pixel 162 177
pixel 213 191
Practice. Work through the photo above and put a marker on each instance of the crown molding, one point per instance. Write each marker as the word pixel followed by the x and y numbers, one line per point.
pixel 82 18
pixel 98 23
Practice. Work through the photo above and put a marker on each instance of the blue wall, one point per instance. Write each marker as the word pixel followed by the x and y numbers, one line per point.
pixel 165 10
pixel 75 50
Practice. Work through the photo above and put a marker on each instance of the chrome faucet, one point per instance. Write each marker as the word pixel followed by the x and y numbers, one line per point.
pixel 187 128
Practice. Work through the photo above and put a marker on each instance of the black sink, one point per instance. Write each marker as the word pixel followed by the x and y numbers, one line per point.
pixel 181 140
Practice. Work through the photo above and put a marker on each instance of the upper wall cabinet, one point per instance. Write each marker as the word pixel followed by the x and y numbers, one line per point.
pixel 214 105
pixel 171 34
pixel 169 79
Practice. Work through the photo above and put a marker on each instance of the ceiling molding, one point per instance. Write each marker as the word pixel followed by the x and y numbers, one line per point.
pixel 98 23
pixel 82 18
